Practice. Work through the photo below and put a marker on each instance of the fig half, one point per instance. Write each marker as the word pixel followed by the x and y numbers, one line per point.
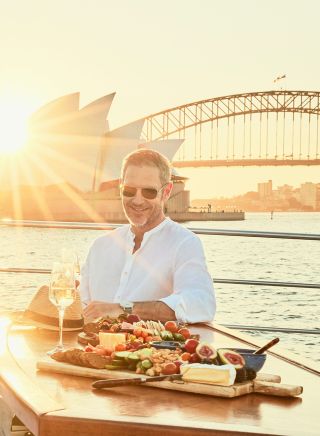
pixel 206 351
pixel 231 357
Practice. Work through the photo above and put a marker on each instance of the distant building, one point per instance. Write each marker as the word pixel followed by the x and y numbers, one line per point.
pixel 285 192
pixel 265 189
pixel 310 195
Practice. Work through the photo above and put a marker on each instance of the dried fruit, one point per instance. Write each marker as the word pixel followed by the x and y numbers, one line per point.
pixel 229 356
pixel 169 368
pixel 206 351
pixel 185 356
pixel 137 332
pixel 178 363
pixel 185 332
pixel 171 326
pixel 120 347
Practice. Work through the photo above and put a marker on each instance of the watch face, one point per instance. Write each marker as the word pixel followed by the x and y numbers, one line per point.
pixel 127 306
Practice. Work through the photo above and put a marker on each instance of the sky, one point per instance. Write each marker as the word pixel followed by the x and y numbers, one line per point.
pixel 156 55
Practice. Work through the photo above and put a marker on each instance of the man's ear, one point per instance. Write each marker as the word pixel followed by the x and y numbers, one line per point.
pixel 167 191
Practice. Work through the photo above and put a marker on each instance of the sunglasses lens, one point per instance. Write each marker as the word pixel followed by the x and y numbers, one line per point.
pixel 149 193
pixel 128 191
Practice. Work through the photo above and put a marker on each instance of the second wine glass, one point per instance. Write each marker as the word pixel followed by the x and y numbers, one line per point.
pixel 62 293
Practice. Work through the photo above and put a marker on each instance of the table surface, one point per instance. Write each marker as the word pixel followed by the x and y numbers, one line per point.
pixel 58 404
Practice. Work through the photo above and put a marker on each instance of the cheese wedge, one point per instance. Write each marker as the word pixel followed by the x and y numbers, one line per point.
pixel 223 375
pixel 110 340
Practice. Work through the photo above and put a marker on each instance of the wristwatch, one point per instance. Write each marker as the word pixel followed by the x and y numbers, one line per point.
pixel 126 306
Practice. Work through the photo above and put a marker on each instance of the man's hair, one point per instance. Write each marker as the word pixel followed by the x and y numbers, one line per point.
pixel 151 158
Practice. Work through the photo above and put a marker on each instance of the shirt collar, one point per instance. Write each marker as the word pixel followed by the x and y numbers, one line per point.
pixel 150 232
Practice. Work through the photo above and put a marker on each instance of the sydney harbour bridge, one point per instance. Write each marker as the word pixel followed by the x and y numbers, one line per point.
pixel 258 128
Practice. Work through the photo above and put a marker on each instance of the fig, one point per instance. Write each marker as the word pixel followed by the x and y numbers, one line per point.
pixel 194 358
pixel 229 356
pixel 191 345
pixel 132 318
pixel 206 351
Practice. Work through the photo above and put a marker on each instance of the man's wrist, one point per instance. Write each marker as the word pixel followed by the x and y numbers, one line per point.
pixel 154 310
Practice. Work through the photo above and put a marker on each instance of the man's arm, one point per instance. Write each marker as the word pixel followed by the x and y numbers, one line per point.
pixel 149 310
pixel 193 298
pixel 154 310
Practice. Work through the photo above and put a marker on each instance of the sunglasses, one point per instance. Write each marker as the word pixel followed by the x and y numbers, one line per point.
pixel 148 193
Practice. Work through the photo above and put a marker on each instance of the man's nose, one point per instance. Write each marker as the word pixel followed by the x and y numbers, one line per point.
pixel 138 198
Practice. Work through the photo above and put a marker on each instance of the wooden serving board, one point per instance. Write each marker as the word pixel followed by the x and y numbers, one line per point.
pixel 267 384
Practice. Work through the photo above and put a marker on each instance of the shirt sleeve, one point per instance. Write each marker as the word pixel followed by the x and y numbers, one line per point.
pixel 193 298
pixel 84 282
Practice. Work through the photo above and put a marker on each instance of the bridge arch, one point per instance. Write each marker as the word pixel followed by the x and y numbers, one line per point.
pixel 176 121
pixel 165 123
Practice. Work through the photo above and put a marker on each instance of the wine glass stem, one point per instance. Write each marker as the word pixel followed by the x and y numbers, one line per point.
pixel 61 316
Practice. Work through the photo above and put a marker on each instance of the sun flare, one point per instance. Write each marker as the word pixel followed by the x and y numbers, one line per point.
pixel 13 128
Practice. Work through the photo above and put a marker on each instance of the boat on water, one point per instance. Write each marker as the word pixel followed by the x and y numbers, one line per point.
pixel 51 403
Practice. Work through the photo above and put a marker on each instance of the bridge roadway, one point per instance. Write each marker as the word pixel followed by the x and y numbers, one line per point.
pixel 245 162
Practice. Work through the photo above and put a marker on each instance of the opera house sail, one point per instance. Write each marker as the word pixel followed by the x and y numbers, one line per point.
pixel 69 167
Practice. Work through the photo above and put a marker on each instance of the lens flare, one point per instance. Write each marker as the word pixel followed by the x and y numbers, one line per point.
pixel 13 128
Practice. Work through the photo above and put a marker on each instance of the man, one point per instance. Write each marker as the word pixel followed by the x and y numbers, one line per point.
pixel 152 267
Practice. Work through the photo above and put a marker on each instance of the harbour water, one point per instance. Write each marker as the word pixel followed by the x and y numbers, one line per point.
pixel 227 257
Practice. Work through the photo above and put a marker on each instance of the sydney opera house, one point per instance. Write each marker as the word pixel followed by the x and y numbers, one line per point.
pixel 69 167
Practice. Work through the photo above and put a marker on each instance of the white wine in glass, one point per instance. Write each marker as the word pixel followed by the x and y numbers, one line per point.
pixel 62 293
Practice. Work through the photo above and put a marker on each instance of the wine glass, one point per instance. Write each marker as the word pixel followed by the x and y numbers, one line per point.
pixel 70 256
pixel 62 293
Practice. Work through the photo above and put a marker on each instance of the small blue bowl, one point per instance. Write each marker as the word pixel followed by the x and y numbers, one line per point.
pixel 253 361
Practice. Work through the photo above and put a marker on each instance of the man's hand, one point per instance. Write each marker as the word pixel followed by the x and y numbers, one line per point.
pixel 97 309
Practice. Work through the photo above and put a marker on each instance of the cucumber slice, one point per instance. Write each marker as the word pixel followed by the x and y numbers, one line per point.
pixel 122 355
pixel 144 352
pixel 133 358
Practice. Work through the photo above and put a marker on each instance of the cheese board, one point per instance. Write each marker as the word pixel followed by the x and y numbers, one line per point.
pixel 266 384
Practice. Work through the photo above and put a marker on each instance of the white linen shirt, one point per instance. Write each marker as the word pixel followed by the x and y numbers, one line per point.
pixel 169 266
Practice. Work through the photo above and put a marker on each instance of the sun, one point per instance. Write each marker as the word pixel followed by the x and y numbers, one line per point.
pixel 13 127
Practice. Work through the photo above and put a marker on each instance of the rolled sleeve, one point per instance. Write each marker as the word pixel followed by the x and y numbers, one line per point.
pixel 193 298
